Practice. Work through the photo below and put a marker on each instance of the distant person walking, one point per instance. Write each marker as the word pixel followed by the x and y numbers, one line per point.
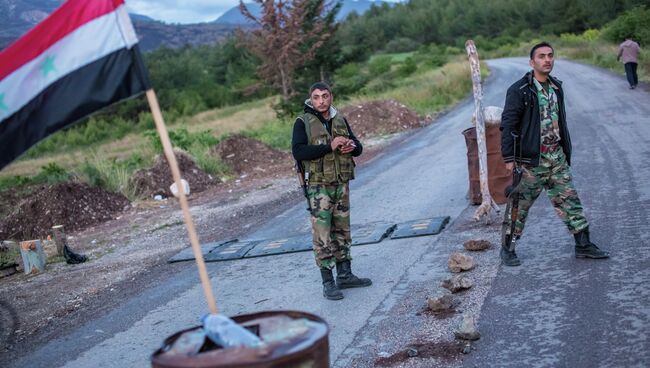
pixel 629 51
pixel 324 145
pixel 535 111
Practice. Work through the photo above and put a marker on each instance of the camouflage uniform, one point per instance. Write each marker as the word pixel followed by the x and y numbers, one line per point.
pixel 330 219
pixel 553 172
pixel 328 191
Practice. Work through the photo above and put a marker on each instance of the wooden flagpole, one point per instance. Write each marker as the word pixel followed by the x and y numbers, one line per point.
pixel 173 165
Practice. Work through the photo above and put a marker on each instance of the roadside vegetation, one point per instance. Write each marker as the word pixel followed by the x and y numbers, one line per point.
pixel 412 52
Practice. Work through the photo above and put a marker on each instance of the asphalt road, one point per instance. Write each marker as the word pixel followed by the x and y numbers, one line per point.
pixel 555 310
pixel 552 311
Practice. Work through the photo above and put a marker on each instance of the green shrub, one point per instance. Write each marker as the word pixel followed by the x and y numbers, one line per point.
pixel 112 175
pixel 380 84
pixel 14 181
pixel 182 138
pixel 633 23
pixel 349 79
pixel 407 68
pixel 52 174
pixel 380 65
pixel 401 44
pixel 276 133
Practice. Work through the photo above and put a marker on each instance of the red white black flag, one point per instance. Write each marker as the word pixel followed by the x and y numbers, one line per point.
pixel 84 56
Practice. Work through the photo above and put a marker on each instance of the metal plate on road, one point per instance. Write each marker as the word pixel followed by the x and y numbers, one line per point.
pixel 370 233
pixel 230 251
pixel 430 226
pixel 277 246
pixel 187 254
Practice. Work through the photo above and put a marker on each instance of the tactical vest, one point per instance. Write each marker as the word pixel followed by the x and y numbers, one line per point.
pixel 334 167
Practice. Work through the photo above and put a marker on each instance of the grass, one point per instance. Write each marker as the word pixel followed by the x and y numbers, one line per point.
pixel 430 90
pixel 394 58
pixel 276 133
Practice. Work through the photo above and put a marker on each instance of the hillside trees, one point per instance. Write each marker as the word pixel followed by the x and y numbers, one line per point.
pixel 289 35
pixel 634 23
pixel 451 22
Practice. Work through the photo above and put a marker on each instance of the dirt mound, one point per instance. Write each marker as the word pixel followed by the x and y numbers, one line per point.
pixel 157 179
pixel 74 205
pixel 250 157
pixel 380 117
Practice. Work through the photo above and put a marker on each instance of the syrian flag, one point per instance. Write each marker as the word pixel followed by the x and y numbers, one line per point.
pixel 84 56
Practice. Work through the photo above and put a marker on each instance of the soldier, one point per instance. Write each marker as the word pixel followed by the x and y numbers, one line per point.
pixel 535 110
pixel 324 145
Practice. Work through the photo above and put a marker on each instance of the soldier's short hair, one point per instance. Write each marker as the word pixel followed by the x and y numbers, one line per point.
pixel 320 85
pixel 541 44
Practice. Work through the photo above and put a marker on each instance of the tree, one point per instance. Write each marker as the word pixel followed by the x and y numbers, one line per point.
pixel 288 35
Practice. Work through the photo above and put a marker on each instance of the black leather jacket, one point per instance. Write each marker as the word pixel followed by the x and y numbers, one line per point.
pixel 521 115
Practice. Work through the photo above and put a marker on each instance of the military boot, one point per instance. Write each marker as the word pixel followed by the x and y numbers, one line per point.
pixel 330 290
pixel 585 248
pixel 345 279
pixel 509 257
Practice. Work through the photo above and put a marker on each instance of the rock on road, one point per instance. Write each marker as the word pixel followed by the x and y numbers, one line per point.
pixel 552 311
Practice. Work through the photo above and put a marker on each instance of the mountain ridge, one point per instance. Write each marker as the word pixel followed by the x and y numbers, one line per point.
pixel 18 17
pixel 234 17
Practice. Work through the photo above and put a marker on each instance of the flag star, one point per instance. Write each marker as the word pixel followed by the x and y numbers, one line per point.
pixel 48 66
pixel 2 103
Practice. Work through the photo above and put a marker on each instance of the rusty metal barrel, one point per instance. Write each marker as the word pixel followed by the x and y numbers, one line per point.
pixel 498 176
pixel 294 340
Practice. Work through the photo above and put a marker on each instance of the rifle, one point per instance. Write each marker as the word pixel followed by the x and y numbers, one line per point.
pixel 512 206
pixel 303 179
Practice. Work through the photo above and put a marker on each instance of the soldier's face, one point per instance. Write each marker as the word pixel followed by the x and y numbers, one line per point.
pixel 542 61
pixel 321 100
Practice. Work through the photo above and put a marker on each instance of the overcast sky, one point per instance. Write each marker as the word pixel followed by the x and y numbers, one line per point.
pixel 182 11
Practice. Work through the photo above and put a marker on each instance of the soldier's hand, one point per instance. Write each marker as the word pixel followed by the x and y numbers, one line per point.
pixel 510 166
pixel 348 147
pixel 338 142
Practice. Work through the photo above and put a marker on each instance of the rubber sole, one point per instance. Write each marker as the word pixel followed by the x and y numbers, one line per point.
pixel 333 297
pixel 352 286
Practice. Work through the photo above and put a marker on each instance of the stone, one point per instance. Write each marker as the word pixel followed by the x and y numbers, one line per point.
pixel 441 301
pixel 459 262
pixel 467 348
pixel 457 283
pixel 467 329
pixel 477 245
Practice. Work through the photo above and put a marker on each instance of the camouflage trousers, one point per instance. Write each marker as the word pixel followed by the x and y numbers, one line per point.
pixel 554 175
pixel 330 222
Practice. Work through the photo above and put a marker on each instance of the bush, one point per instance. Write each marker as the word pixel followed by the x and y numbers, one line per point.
pixel 349 79
pixel 113 174
pixel 380 65
pixel 401 44
pixel 276 133
pixel 52 174
pixel 182 138
pixel 407 68
pixel 380 84
pixel 633 23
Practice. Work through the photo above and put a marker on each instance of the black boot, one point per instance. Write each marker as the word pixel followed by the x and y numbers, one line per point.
pixel 345 279
pixel 509 257
pixel 330 290
pixel 585 248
